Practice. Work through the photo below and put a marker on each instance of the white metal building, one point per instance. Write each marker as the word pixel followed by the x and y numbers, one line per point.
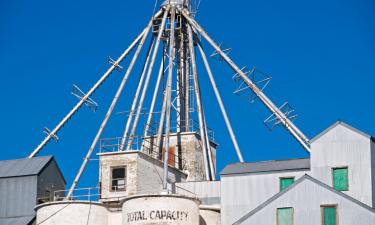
pixel 338 179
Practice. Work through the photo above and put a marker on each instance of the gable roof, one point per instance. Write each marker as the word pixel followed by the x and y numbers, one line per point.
pixel 343 124
pixel 267 166
pixel 299 181
pixel 23 167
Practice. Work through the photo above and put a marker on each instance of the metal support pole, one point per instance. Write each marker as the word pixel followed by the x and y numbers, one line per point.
pixel 169 95
pixel 143 95
pixel 202 128
pixel 221 104
pixel 296 133
pixel 181 81
pixel 110 110
pixel 154 97
pixel 131 113
pixel 210 158
pixel 83 100
pixel 187 89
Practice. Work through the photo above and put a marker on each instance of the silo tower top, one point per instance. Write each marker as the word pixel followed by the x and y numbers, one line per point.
pixel 177 3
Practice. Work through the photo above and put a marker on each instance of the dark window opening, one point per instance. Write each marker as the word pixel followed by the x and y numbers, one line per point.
pixel 118 179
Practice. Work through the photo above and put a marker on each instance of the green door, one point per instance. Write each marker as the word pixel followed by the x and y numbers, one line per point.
pixel 340 179
pixel 329 215
pixel 285 216
pixel 286 182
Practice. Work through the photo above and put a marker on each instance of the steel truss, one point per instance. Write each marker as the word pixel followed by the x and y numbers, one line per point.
pixel 174 28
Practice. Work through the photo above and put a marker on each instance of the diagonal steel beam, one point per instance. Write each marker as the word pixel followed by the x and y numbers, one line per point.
pixel 110 110
pixel 202 127
pixel 84 98
pixel 221 104
pixel 296 133
pixel 172 51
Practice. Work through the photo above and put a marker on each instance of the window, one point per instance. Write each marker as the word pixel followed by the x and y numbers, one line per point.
pixel 285 216
pixel 285 182
pixel 329 215
pixel 118 179
pixel 340 179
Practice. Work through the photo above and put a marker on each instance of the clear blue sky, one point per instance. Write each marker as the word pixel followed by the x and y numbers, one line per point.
pixel 321 55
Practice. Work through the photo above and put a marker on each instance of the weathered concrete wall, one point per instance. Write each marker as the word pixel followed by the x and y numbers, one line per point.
pixel 344 147
pixel 209 215
pixel 187 145
pixel 150 173
pixel 68 213
pixel 143 174
pixel 115 217
pixel 118 159
pixel 160 209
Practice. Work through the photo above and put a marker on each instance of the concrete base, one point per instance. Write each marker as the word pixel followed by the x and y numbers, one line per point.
pixel 160 210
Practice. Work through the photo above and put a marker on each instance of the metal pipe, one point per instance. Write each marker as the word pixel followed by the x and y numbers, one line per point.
pixel 154 97
pixel 297 134
pixel 110 110
pixel 131 113
pixel 150 69
pixel 89 93
pixel 199 103
pixel 181 80
pixel 169 95
pixel 210 158
pixel 221 104
pixel 187 89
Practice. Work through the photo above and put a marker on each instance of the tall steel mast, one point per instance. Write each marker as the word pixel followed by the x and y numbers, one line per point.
pixel 176 90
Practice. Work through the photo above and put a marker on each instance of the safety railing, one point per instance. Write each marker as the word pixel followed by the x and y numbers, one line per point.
pixel 147 146
pixel 182 126
pixel 82 194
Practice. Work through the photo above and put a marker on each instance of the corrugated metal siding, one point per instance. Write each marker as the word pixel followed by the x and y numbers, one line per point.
pixel 17 196
pixel 27 220
pixel 306 199
pixel 341 147
pixel 50 179
pixel 207 191
pixel 23 167
pixel 241 194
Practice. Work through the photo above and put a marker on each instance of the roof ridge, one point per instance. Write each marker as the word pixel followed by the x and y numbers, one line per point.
pixel 19 159
pixel 339 122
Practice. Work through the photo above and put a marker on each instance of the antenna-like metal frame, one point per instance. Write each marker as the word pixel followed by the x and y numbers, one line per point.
pixel 181 47
pixel 110 110
pixel 87 96
pixel 284 120
pixel 221 104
